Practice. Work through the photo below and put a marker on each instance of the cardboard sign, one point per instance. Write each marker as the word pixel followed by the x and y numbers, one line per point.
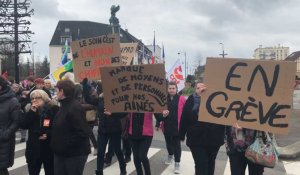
pixel 91 53
pixel 136 88
pixel 256 94
pixel 128 51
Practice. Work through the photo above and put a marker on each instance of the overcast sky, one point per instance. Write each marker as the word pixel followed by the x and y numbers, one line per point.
pixel 195 26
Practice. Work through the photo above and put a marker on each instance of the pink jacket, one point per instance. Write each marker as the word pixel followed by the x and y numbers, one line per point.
pixel 147 125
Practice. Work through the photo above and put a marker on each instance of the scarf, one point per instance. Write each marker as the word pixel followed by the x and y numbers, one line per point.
pixel 196 103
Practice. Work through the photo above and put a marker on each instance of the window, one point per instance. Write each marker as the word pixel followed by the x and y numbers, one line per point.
pixel 63 40
pixel 67 30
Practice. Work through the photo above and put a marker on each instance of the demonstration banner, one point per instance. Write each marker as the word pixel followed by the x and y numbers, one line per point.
pixel 256 94
pixel 128 51
pixel 91 53
pixel 175 75
pixel 136 88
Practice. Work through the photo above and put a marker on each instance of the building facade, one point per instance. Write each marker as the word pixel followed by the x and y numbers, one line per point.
pixel 74 30
pixel 271 53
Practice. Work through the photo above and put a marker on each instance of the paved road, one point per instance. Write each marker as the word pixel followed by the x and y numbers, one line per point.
pixel 157 155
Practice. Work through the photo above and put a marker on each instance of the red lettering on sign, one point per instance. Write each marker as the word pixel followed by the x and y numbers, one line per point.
pixel 95 52
pixel 90 73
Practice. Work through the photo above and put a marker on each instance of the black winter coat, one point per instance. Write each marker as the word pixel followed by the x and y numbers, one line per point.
pixel 70 130
pixel 199 133
pixel 39 123
pixel 9 117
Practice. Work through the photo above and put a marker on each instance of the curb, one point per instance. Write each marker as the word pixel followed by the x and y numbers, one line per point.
pixel 290 152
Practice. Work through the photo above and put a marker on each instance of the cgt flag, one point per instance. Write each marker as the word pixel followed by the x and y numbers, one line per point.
pixel 175 74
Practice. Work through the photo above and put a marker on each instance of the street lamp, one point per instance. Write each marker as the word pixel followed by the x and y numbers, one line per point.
pixel 223 53
pixel 33 66
pixel 185 65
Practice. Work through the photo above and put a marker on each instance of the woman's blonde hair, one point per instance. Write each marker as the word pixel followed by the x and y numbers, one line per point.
pixel 40 93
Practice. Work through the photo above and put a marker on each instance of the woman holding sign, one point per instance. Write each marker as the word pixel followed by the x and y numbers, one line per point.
pixel 38 121
pixel 140 135
pixel 204 139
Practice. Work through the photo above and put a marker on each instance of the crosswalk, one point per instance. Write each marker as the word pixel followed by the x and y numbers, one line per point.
pixel 157 156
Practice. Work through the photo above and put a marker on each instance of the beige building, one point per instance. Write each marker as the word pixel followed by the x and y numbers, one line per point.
pixel 271 53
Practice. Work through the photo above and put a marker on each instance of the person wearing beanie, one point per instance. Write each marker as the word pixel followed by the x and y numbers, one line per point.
pixel 9 117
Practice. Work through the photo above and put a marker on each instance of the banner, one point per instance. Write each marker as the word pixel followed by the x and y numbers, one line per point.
pixel 256 94
pixel 135 88
pixel 128 51
pixel 175 74
pixel 91 53
pixel 60 72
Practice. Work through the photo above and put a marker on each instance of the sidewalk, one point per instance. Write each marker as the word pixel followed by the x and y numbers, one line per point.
pixel 289 145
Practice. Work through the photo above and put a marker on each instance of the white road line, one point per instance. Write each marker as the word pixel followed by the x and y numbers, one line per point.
pixel 20 146
pixel 291 167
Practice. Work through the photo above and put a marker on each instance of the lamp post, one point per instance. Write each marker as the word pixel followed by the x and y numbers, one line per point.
pixel 33 66
pixel 223 53
pixel 185 66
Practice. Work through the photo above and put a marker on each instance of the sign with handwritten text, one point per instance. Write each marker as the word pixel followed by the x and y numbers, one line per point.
pixel 135 88
pixel 128 51
pixel 91 53
pixel 255 94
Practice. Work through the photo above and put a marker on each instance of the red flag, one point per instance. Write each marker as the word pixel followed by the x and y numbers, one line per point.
pixel 5 75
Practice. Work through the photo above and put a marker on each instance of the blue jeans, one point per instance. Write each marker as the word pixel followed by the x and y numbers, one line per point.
pixel 115 141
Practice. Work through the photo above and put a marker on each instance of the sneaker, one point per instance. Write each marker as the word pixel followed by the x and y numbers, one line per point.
pixel 169 160
pixel 95 152
pixel 177 168
pixel 127 159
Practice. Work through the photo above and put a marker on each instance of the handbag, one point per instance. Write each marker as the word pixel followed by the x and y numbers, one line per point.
pixel 91 115
pixel 262 153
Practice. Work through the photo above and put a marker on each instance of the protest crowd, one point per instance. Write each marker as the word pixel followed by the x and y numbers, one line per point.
pixel 59 120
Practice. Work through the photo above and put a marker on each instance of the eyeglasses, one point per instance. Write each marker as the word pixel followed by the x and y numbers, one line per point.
pixel 36 98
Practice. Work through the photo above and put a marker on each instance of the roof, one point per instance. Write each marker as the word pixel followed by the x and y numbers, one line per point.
pixel 87 29
pixel 293 56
